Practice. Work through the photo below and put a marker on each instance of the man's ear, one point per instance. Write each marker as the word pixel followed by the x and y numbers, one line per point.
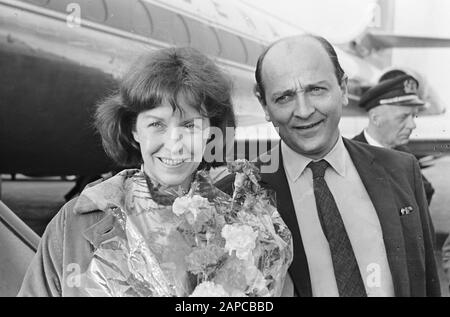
pixel 374 117
pixel 257 92
pixel 344 89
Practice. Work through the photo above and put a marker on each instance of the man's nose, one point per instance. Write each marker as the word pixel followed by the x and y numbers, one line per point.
pixel 411 123
pixel 303 107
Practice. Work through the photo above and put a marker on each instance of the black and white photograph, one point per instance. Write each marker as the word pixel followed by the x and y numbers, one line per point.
pixel 220 151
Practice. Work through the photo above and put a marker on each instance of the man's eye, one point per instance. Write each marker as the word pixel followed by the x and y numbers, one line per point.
pixel 317 90
pixel 405 117
pixel 283 99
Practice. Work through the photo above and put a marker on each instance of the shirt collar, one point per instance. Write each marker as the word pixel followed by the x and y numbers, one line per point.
pixel 370 140
pixel 295 163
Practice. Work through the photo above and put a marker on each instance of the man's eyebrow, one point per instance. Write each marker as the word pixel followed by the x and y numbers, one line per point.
pixel 291 91
pixel 316 83
pixel 277 94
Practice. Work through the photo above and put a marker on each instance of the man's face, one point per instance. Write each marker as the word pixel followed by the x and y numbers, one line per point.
pixel 303 97
pixel 396 124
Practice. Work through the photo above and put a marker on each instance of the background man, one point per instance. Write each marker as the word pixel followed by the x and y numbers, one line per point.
pixel 392 106
pixel 358 214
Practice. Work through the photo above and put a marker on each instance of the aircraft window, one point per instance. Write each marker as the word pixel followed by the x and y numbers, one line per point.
pixel 248 20
pixel 274 31
pixel 181 34
pixel 92 10
pixel 119 14
pixel 168 26
pixel 142 21
pixel 232 47
pixel 245 49
pixel 254 49
pixel 220 10
pixel 38 2
pixel 205 38
pixel 95 10
pixel 129 16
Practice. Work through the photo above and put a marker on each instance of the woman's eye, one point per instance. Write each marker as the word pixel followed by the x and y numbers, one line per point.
pixel 190 125
pixel 155 124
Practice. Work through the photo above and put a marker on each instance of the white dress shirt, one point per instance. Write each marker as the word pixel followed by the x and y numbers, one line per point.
pixel 357 212
pixel 370 140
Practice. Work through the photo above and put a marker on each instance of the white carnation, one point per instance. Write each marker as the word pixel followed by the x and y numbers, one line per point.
pixel 240 238
pixel 209 289
pixel 180 204
pixel 192 205
pixel 239 180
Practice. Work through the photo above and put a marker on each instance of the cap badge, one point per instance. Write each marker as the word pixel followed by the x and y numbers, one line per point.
pixel 410 86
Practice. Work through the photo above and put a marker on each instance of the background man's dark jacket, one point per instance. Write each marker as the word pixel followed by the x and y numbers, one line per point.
pixel 429 190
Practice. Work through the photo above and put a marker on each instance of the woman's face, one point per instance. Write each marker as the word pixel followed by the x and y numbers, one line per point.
pixel 172 143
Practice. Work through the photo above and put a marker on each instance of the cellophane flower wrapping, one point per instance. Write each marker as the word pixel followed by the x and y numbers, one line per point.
pixel 204 243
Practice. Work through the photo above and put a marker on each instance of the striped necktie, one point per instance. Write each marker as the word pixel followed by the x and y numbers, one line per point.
pixel 346 270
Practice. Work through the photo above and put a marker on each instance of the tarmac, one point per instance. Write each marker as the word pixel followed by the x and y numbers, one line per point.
pixel 36 201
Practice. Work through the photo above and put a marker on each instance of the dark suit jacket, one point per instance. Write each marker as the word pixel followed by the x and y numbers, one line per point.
pixel 393 181
pixel 429 190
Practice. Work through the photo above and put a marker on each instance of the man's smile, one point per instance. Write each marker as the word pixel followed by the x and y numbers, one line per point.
pixel 309 126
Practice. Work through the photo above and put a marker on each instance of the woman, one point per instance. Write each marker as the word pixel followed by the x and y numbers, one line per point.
pixel 161 120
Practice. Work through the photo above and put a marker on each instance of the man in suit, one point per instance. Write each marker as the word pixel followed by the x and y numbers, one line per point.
pixel 392 105
pixel 357 214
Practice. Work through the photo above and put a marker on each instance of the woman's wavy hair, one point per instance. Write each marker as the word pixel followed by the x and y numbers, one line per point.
pixel 162 76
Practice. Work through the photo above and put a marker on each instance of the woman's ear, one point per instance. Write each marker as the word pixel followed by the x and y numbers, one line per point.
pixel 136 136
pixel 207 133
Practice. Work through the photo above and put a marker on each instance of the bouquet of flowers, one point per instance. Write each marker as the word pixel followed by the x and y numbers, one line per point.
pixel 203 243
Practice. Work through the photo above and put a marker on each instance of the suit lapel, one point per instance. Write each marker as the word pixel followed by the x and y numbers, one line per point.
pixel 360 138
pixel 375 180
pixel 298 270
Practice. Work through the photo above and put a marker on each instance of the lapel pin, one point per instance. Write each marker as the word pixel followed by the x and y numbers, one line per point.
pixel 406 210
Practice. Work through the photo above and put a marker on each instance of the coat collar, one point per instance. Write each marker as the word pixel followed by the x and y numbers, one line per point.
pixel 108 194
pixel 101 200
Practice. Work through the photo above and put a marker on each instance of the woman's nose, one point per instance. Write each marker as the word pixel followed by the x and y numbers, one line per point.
pixel 174 141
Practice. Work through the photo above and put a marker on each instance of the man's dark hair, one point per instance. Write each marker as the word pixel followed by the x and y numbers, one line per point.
pixel 325 44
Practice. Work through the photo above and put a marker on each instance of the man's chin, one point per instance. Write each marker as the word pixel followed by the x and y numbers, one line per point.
pixel 403 143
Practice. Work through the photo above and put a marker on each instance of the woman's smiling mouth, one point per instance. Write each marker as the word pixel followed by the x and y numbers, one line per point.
pixel 171 162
